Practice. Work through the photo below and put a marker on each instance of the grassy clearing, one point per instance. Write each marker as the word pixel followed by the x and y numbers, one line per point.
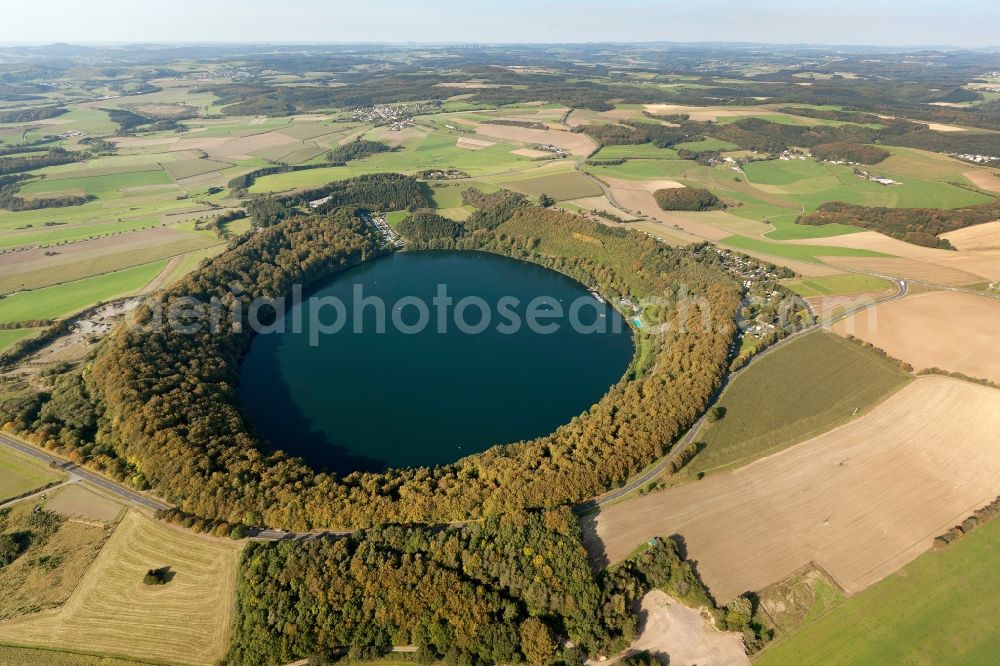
pixel 8 338
pixel 179 169
pixel 36 657
pixel 799 391
pixel 939 609
pixel 810 253
pixel 809 184
pixel 559 186
pixel 20 474
pixel 706 145
pixel 837 285
pixel 786 229
pixel 113 260
pixel 78 501
pixel 642 169
pixel 449 195
pixel 67 234
pixel 103 187
pixel 59 300
pixel 395 217
pixel 58 555
pixel 186 621
pixel 639 151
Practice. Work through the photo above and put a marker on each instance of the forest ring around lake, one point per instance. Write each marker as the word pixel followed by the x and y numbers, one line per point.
pixel 170 419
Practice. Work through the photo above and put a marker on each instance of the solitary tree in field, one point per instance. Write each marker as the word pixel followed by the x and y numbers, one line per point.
pixel 545 201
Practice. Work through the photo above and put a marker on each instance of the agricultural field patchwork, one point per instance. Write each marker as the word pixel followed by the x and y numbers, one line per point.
pixel 59 300
pixel 799 391
pixel 186 621
pixel 938 609
pixel 859 511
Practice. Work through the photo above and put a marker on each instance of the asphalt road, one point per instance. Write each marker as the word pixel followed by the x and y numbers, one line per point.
pixel 84 474
pixel 637 482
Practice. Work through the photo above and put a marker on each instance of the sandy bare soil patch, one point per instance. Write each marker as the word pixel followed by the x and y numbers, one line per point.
pixel 954 331
pixel 139 142
pixel 79 501
pixel 938 127
pixel 861 500
pixel 824 307
pixel 576 144
pixel 473 144
pixel 987 180
pixel 682 636
pixel 530 152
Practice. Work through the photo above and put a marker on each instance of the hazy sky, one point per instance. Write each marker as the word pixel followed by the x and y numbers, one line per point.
pixel 890 22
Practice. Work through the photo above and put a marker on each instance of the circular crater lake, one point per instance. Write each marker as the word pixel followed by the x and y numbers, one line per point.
pixel 368 397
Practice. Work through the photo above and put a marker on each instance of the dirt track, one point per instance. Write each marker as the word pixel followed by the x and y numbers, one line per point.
pixel 861 500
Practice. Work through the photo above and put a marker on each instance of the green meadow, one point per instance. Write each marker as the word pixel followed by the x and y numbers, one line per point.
pixel 939 609
pixel 810 253
pixel 20 474
pixel 103 187
pixel 798 391
pixel 68 233
pixel 62 299
pixel 837 285
pixel 636 151
pixel 10 336
pixel 642 169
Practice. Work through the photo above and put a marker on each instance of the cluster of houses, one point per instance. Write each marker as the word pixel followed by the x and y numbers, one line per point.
pixel 70 134
pixel 227 72
pixel 794 155
pixel 549 148
pixel 395 116
pixel 443 174
pixel 387 233
pixel 978 159
pixel 766 308
pixel 881 180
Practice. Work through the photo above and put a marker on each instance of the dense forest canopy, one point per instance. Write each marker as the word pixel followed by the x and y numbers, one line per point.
pixel 513 588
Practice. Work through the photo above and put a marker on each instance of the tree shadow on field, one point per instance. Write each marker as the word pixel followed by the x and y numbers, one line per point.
pixel 596 551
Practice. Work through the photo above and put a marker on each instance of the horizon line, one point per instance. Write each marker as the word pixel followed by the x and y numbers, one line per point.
pixel 439 43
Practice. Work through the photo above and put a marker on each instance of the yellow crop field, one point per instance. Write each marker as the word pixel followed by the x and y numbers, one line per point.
pixel 186 621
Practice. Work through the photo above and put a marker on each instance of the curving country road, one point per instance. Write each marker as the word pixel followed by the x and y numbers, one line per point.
pixel 637 482
pixel 74 470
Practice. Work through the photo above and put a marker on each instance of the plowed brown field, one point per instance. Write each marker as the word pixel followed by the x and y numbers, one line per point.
pixel 861 500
